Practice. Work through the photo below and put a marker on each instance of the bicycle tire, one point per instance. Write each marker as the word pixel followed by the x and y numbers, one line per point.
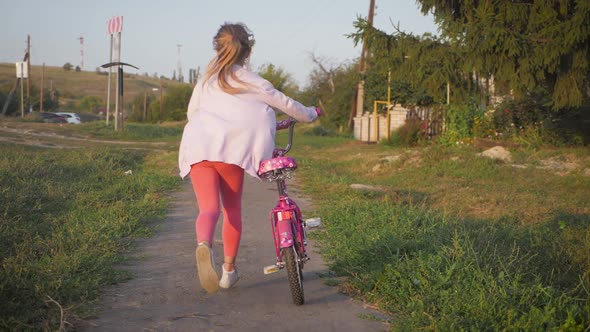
pixel 294 275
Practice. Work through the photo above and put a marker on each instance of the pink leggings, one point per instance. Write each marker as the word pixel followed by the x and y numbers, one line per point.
pixel 209 179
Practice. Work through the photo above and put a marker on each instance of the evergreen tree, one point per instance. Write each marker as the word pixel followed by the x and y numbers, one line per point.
pixel 537 46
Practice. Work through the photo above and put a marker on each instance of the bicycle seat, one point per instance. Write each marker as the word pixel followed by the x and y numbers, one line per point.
pixel 271 169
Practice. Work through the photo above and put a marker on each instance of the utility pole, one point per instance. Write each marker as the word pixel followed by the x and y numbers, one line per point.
pixel 22 93
pixel 29 71
pixel 358 105
pixel 119 78
pixel 144 106
pixel 160 100
pixel 109 83
pixel 42 87
pixel 51 91
pixel 180 77
pixel 81 52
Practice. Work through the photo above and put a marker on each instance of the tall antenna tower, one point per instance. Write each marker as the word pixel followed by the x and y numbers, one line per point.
pixel 81 52
pixel 179 65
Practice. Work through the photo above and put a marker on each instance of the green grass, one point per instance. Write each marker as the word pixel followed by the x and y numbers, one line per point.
pixel 66 215
pixel 132 131
pixel 456 242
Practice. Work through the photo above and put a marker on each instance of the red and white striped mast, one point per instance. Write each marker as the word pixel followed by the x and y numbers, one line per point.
pixel 114 28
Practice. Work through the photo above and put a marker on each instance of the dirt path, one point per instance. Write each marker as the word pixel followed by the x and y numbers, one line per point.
pixel 165 294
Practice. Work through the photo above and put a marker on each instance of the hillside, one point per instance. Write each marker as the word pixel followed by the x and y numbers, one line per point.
pixel 73 85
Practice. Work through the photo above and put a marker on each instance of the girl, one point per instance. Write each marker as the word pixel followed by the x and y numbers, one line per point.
pixel 230 129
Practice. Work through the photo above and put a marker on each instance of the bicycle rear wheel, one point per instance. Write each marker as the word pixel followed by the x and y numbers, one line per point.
pixel 294 274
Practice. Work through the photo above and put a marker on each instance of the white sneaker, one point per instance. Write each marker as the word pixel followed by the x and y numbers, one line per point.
pixel 228 279
pixel 206 268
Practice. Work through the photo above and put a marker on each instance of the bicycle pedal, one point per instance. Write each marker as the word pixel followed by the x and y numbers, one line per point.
pixel 271 269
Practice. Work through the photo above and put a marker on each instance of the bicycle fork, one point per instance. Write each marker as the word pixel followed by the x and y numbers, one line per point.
pixel 287 231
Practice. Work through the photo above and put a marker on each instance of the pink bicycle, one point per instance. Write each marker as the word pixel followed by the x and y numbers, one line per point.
pixel 285 218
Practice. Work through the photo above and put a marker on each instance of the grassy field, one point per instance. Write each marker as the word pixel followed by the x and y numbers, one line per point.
pixel 447 241
pixel 66 217
pixel 74 85
pixel 451 241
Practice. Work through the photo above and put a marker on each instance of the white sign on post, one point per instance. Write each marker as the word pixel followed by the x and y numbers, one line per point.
pixel 22 70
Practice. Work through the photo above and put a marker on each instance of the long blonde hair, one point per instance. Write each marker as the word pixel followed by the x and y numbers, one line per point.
pixel 233 44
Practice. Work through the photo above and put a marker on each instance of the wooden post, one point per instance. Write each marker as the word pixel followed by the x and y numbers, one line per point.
pixel 376 122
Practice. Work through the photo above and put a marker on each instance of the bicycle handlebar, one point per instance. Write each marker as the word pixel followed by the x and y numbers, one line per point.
pixel 290 123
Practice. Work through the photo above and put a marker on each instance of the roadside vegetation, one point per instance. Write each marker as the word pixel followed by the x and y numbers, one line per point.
pixel 67 216
pixel 447 240
pixel 440 237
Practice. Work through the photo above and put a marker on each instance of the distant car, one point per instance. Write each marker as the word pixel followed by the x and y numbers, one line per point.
pixel 49 117
pixel 71 117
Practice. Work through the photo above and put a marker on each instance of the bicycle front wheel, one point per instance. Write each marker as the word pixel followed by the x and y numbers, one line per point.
pixel 294 274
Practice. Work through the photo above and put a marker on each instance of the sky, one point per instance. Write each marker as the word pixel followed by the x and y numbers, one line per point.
pixel 286 32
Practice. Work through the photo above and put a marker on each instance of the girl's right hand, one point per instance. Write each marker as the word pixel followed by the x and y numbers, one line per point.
pixel 319 111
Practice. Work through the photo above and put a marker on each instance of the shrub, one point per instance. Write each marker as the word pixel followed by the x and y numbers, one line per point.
pixel 460 123
pixel 410 134
pixel 319 131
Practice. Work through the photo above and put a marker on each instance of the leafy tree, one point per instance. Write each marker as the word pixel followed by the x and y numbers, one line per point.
pixel 141 108
pixel 279 78
pixel 175 102
pixel 534 45
pixel 67 66
pixel 91 103
pixel 333 90
pixel 49 104
pixel 421 67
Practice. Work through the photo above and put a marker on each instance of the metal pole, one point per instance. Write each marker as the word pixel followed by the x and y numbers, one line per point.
pixel 117 94
pixel 109 84
pixel 28 70
pixel 360 89
pixel 22 92
pixel 387 109
pixel 160 100
pixel 42 88
pixel 121 113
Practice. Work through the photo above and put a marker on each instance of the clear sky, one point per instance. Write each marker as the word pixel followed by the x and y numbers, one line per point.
pixel 286 32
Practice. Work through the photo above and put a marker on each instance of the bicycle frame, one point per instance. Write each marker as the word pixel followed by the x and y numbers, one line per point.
pixel 285 218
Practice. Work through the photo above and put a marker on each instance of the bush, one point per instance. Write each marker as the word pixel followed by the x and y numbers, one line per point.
pixel 460 123
pixel 410 134
pixel 514 115
pixel 529 122
pixel 319 131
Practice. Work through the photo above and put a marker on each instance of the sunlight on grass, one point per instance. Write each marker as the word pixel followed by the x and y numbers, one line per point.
pixel 66 216
pixel 456 242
